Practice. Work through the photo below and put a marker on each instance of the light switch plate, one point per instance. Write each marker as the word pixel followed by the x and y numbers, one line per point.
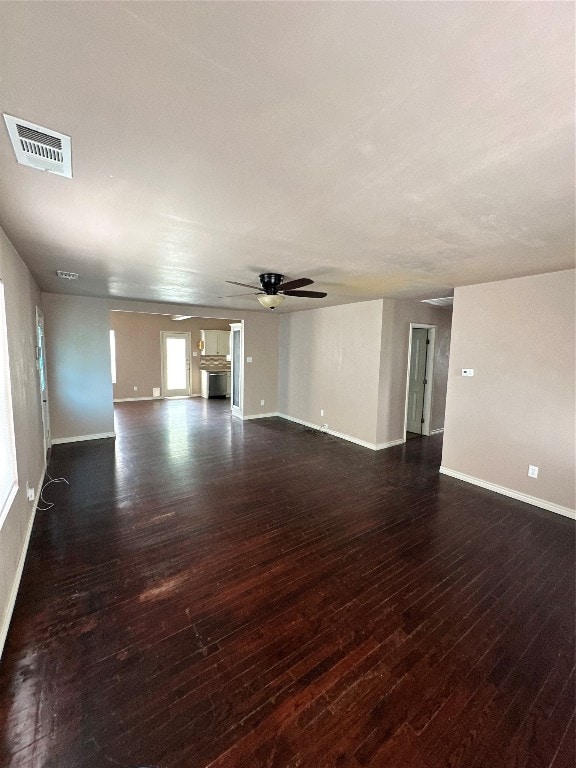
pixel 467 371
pixel 248 359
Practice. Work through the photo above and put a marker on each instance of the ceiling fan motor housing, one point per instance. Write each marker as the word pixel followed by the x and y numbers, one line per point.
pixel 271 282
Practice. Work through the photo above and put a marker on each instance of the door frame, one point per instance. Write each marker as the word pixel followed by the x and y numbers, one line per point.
pixel 237 410
pixel 41 363
pixel 187 336
pixel 427 414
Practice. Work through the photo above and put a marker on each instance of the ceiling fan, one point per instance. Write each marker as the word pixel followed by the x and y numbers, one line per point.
pixel 273 290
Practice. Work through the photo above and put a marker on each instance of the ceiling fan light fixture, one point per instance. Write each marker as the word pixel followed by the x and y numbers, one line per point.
pixel 270 301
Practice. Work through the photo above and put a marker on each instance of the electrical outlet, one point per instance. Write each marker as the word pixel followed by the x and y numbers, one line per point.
pixel 135 389
pixel 467 371
pixel 262 402
pixel 532 471
pixel 248 359
pixel 30 493
pixel 321 411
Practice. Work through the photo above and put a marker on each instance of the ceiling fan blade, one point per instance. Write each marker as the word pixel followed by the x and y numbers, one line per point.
pixel 306 294
pixel 235 295
pixel 294 284
pixel 244 285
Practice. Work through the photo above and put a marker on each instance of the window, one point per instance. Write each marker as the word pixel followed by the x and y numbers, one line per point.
pixel 113 356
pixel 8 473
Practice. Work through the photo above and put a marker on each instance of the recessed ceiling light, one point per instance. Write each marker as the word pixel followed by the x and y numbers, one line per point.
pixel 67 275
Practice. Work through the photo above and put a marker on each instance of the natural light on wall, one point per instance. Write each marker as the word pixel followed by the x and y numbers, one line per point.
pixel 8 472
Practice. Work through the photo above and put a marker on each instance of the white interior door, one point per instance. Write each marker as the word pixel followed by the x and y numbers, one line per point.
pixel 41 366
pixel 175 364
pixel 417 380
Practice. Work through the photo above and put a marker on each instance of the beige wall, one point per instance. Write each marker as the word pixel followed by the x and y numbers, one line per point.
pixel 519 408
pixel 261 375
pixel 78 361
pixel 352 362
pixel 396 319
pixel 329 359
pixel 22 297
pixel 139 353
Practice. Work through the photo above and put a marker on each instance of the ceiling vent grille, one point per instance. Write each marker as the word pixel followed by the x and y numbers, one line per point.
pixel 39 147
pixel 67 275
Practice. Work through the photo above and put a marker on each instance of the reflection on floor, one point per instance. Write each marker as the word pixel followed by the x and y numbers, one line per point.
pixel 213 592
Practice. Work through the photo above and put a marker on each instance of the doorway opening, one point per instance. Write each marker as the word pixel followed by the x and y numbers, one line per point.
pixel 419 378
pixel 159 355
pixel 175 364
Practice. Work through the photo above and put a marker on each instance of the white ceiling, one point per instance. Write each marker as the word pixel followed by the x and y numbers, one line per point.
pixel 393 149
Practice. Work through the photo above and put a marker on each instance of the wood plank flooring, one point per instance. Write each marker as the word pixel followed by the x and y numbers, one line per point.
pixel 213 593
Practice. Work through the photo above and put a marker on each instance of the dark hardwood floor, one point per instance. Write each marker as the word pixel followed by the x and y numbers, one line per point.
pixel 215 593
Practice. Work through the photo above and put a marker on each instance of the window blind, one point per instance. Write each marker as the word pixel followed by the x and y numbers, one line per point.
pixel 8 473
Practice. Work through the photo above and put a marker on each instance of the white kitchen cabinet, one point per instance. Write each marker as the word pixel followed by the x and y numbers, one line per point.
pixel 204 384
pixel 223 342
pixel 209 342
pixel 215 342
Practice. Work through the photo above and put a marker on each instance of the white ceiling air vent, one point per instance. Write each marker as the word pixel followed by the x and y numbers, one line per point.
pixel 447 301
pixel 39 147
pixel 67 275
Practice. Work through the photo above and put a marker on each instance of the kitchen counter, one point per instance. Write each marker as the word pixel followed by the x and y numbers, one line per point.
pixel 215 370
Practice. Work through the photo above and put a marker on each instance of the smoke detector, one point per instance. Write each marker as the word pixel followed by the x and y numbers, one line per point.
pixel 39 147
pixel 67 275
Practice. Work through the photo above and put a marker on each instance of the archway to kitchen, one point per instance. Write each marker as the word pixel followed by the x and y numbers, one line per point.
pixel 157 356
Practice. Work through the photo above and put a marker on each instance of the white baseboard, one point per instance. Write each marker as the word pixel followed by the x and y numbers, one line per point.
pixel 536 502
pixel 135 399
pixel 78 438
pixel 341 435
pixel 390 444
pixel 18 575
pixel 160 397
pixel 260 416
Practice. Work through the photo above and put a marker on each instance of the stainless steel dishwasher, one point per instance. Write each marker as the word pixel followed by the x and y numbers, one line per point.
pixel 216 383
